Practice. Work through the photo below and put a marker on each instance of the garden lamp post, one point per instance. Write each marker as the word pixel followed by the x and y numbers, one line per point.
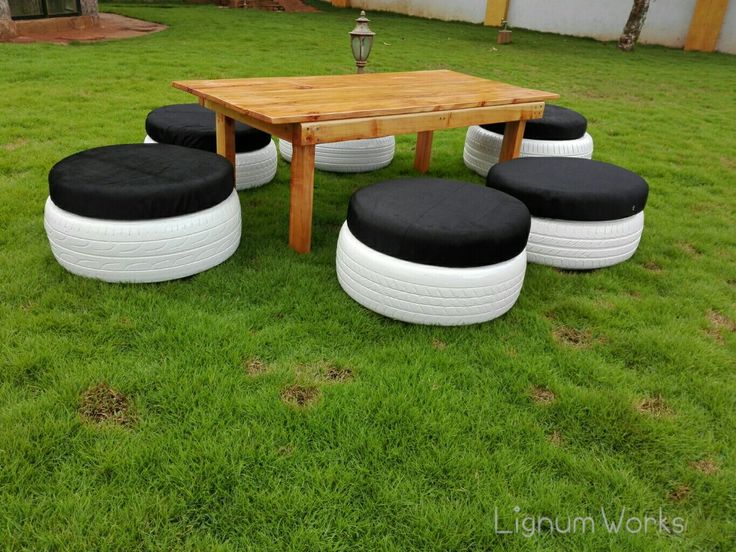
pixel 361 41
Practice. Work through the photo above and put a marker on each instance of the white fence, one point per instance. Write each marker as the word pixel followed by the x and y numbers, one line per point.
pixel 473 11
pixel 667 23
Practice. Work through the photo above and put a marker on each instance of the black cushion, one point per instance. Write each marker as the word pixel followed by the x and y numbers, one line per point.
pixel 439 222
pixel 571 189
pixel 558 123
pixel 193 126
pixel 140 182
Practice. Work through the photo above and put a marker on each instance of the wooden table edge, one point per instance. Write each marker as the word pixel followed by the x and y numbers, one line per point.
pixel 389 125
pixel 539 96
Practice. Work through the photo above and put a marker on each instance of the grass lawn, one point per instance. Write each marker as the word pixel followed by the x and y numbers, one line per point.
pixel 258 407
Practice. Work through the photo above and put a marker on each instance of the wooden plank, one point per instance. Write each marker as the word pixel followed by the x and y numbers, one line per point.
pixel 496 11
pixel 225 129
pixel 302 99
pixel 346 109
pixel 377 92
pixel 512 138
pixel 284 109
pixel 329 80
pixel 373 127
pixel 424 151
pixel 378 96
pixel 302 192
pixel 281 131
pixel 705 26
pixel 265 88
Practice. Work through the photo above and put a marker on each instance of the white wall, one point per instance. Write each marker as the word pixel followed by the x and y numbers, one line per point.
pixel 601 19
pixel 667 23
pixel 727 41
pixel 473 11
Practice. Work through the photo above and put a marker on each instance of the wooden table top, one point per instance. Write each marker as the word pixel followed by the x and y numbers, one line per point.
pixel 282 100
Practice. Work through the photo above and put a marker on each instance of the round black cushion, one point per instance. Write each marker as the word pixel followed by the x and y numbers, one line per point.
pixel 558 123
pixel 439 222
pixel 140 182
pixel 567 188
pixel 193 126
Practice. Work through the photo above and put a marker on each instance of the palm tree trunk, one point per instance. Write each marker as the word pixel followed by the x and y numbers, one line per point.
pixel 7 26
pixel 634 25
pixel 89 7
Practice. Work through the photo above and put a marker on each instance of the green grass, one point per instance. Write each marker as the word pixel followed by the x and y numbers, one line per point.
pixel 437 427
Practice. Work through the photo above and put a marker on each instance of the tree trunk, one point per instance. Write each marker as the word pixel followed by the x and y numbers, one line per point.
pixel 634 25
pixel 4 9
pixel 7 26
pixel 89 7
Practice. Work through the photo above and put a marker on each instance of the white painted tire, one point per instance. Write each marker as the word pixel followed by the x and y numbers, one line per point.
pixel 576 245
pixel 144 251
pixel 482 148
pixel 353 156
pixel 253 168
pixel 424 294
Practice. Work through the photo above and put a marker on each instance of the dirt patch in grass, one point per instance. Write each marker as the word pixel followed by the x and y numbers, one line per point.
pixel 300 396
pixel 572 337
pixel 679 494
pixel 102 404
pixel 652 266
pixel 125 322
pixel 654 406
pixel 706 466
pixel 322 372
pixel 555 438
pixel 542 395
pixel 728 162
pixel 338 375
pixel 570 272
pixel 286 450
pixel 719 323
pixel 689 248
pixel 255 366
pixel 17 144
pixel 439 344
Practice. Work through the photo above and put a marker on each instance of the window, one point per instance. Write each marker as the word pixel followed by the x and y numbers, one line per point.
pixel 31 9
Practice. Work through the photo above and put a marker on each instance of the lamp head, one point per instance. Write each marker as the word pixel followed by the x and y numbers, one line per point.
pixel 361 41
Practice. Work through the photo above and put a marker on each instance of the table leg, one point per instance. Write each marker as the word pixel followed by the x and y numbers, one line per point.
pixel 225 129
pixel 512 137
pixel 302 193
pixel 424 151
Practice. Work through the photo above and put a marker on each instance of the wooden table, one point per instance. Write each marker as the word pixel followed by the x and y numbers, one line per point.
pixel 314 110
